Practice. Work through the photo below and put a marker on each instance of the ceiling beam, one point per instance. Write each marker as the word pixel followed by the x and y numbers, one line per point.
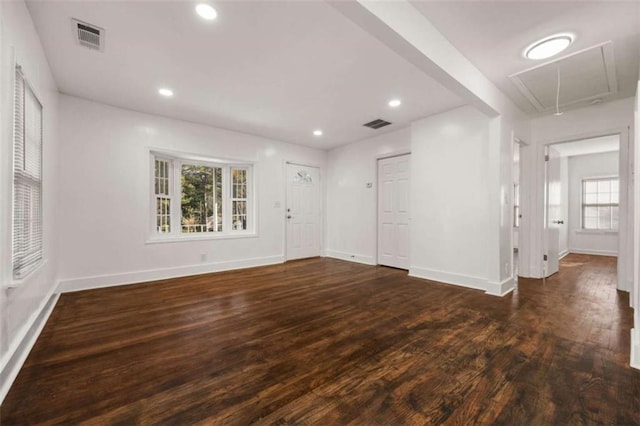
pixel 411 35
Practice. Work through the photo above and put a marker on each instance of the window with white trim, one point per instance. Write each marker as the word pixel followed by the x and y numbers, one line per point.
pixel 195 197
pixel 600 204
pixel 27 246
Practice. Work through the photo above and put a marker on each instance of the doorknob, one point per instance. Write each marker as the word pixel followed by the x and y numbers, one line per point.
pixel 288 216
pixel 559 222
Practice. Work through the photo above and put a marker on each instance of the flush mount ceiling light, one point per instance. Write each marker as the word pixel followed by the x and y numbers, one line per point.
pixel 317 132
pixel 394 103
pixel 167 93
pixel 206 11
pixel 548 46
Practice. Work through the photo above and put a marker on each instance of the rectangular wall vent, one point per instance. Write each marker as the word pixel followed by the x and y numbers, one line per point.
pixel 376 124
pixel 88 35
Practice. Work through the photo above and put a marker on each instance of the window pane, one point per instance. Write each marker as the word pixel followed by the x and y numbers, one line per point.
pixel 162 177
pixel 614 186
pixel 239 215
pixel 198 201
pixel 604 198
pixel 239 183
pixel 590 223
pixel 590 212
pixel 590 187
pixel 614 218
pixel 614 198
pixel 604 217
pixel 163 214
pixel 604 186
pixel 590 198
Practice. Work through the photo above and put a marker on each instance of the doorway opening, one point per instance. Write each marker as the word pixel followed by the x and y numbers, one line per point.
pixel 516 214
pixel 583 203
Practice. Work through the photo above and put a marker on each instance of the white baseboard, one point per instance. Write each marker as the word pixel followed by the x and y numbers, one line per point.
pixel 351 257
pixel 563 254
pixel 22 344
pixel 449 278
pixel 502 288
pixel 594 252
pixel 100 281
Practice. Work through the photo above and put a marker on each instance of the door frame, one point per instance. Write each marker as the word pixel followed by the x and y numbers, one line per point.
pixel 379 157
pixel 623 253
pixel 521 146
pixel 286 163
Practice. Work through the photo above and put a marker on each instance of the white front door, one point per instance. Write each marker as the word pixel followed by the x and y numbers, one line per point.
pixel 553 210
pixel 393 211
pixel 303 211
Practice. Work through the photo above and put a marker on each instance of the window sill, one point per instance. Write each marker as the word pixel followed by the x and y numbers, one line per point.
pixel 175 239
pixel 596 231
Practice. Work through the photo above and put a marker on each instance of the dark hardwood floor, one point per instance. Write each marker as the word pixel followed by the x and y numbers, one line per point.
pixel 322 341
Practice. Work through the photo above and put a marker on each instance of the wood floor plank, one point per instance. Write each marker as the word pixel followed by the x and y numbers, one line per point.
pixel 322 341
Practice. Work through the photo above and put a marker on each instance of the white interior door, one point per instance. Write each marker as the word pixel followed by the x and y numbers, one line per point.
pixel 553 204
pixel 303 211
pixel 393 211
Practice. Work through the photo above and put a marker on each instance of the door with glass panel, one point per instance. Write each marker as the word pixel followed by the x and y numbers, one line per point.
pixel 303 212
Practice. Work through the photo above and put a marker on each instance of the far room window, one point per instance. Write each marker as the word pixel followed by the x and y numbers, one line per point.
pixel 195 197
pixel 600 198
pixel 27 247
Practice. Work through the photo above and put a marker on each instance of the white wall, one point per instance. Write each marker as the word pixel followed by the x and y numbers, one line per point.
pixel 602 119
pixel 449 198
pixel 104 196
pixel 581 167
pixel 21 306
pixel 634 360
pixel 351 206
pixel 564 205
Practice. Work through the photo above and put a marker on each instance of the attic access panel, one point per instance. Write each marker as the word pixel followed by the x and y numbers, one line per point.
pixel 584 75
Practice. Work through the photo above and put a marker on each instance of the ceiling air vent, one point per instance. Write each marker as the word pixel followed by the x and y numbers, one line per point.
pixel 376 124
pixel 88 35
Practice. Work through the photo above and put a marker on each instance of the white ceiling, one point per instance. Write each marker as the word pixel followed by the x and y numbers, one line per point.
pixel 274 69
pixel 589 146
pixel 493 34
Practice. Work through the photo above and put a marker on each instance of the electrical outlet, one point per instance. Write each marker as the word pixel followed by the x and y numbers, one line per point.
pixel 203 257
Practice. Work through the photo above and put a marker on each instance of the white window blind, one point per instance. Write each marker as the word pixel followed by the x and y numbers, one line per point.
pixel 27 179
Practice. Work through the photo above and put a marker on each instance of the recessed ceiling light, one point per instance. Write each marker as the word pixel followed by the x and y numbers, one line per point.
pixel 317 132
pixel 548 46
pixel 395 103
pixel 167 93
pixel 206 11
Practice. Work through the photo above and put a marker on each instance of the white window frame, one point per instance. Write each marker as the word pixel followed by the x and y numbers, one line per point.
pixel 583 205
pixel 176 160
pixel 35 257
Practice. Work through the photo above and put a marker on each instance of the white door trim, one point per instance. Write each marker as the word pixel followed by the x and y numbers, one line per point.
pixel 624 256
